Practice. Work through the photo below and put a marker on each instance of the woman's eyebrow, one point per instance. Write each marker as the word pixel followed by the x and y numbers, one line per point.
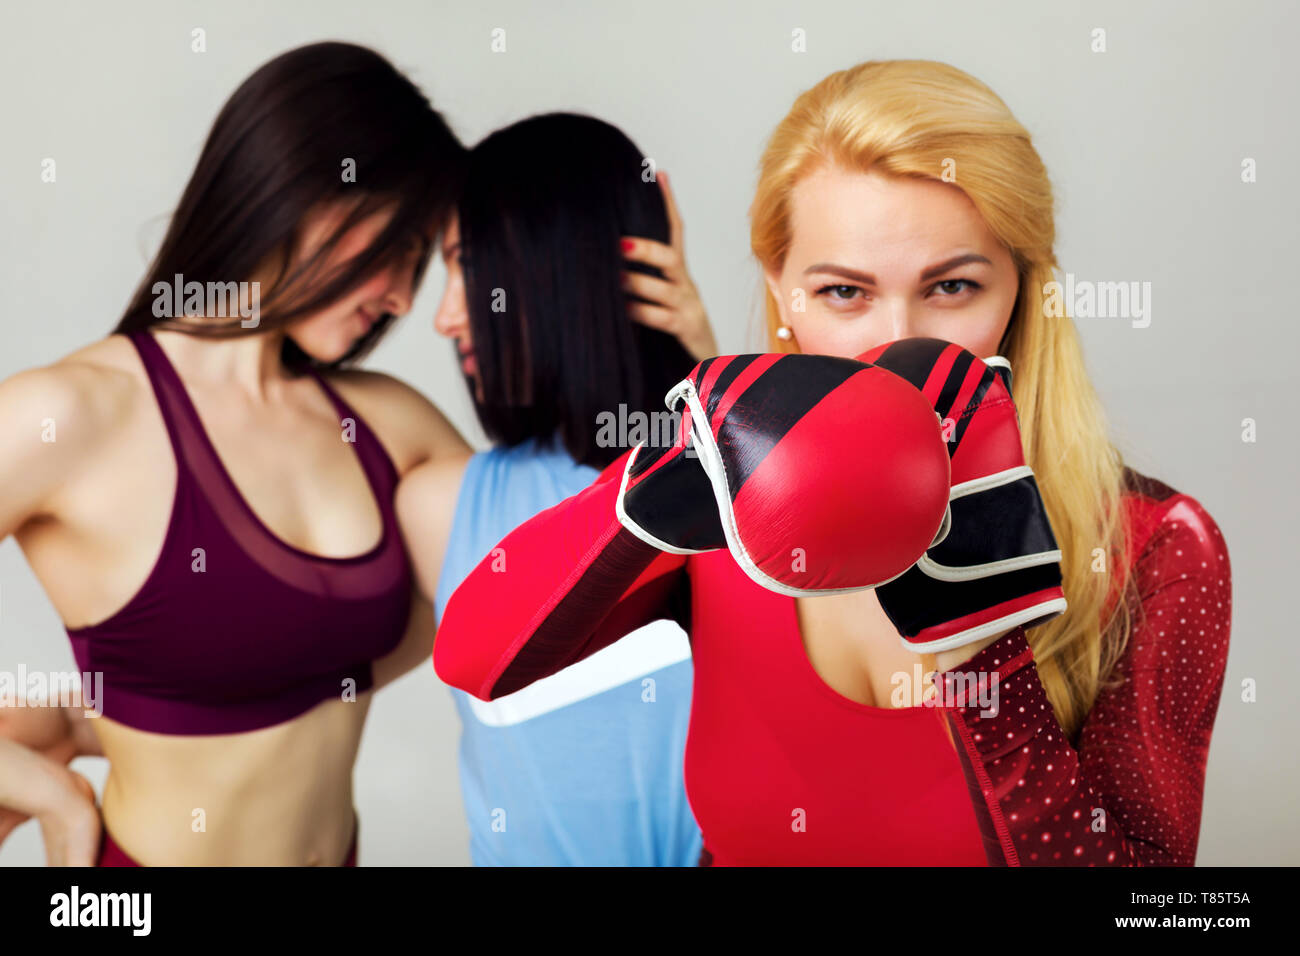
pixel 953 263
pixel 868 279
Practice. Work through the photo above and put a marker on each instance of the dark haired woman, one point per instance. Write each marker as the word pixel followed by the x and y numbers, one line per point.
pixel 214 523
pixel 584 768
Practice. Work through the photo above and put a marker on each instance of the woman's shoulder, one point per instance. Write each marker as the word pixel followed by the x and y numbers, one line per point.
pixel 522 479
pixel 88 390
pixel 547 456
pixel 61 424
pixel 1181 576
pixel 411 427
pixel 1160 516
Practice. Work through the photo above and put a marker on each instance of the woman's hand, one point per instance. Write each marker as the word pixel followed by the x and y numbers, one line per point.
pixel 997 567
pixel 672 303
pixel 36 744
pixel 59 733
pixel 70 820
pixel 33 785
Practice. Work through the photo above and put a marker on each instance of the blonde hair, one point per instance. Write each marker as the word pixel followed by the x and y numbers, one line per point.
pixel 917 118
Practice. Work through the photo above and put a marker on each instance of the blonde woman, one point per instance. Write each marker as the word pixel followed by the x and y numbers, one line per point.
pixel 902 200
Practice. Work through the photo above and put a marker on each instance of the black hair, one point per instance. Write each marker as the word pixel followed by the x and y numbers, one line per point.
pixel 545 203
pixel 277 148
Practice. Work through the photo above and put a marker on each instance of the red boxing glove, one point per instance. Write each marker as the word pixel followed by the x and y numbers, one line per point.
pixel 665 498
pixel 827 474
pixel 998 565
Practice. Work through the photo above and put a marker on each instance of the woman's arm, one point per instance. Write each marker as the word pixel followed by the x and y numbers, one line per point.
pixel 33 785
pixel 560 587
pixel 428 452
pixel 1131 794
pixel 36 744
pixel 59 733
pixel 426 505
pixel 49 422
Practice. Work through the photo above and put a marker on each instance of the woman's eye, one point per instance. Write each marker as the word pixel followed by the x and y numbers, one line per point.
pixel 841 293
pixel 947 286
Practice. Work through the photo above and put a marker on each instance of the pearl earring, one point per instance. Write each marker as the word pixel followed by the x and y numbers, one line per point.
pixel 784 333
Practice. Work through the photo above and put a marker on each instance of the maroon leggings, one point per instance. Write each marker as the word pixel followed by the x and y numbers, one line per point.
pixel 110 854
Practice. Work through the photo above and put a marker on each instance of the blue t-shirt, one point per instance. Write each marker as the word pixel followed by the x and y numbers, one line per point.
pixel 583 768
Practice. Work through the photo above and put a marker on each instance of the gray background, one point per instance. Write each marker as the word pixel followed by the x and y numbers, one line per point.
pixel 1144 144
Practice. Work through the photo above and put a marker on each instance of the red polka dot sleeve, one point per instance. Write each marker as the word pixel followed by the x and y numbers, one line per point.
pixel 1130 794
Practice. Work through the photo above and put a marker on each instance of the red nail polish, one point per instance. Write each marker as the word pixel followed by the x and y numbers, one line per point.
pixel 628 245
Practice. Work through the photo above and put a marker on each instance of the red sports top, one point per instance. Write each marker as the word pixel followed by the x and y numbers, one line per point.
pixel 781 769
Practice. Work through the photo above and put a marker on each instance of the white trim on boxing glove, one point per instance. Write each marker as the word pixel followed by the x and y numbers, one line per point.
pixel 1039 612
pixel 626 521
pixel 944 572
pixel 944 526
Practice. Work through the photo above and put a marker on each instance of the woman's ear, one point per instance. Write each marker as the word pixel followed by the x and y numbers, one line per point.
pixel 773 284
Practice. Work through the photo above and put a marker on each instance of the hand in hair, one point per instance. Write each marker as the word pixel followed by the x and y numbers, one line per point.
pixel 672 304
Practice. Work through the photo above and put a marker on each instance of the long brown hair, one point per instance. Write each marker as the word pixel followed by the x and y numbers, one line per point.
pixel 324 122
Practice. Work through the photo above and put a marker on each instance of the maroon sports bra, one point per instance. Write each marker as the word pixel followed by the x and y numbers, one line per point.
pixel 258 631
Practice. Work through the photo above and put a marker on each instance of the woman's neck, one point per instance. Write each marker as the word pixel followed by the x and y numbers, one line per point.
pixel 250 363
